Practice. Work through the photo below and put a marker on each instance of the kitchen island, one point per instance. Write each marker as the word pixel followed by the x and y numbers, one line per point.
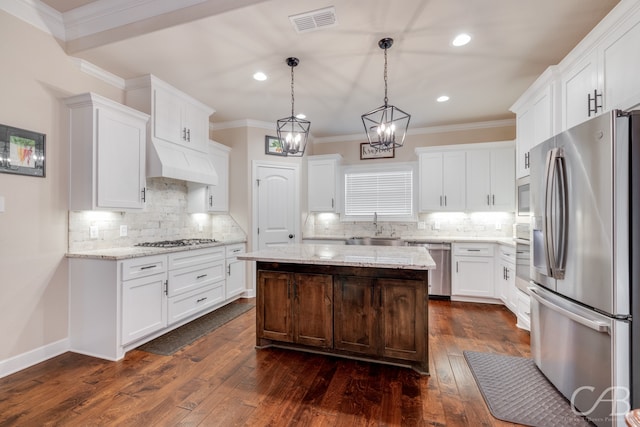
pixel 362 302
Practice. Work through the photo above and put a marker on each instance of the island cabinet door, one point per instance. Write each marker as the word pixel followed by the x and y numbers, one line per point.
pixel 402 318
pixel 355 315
pixel 274 314
pixel 313 310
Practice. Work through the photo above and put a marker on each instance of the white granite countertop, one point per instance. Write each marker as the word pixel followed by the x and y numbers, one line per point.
pixel 139 251
pixel 398 257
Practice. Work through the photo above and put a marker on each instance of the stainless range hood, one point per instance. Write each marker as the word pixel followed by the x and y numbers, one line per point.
pixel 168 160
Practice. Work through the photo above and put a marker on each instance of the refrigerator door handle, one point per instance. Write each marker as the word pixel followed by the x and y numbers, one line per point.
pixel 547 224
pixel 562 234
pixel 593 324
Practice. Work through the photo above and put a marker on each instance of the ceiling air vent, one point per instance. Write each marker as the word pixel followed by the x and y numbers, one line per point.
pixel 314 20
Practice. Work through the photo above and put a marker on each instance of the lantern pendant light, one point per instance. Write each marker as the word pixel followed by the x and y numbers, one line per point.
pixel 386 126
pixel 292 131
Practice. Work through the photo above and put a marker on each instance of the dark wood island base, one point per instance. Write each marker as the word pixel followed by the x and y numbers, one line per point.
pixel 364 313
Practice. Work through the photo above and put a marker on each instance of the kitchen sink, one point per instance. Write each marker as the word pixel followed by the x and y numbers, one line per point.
pixel 376 241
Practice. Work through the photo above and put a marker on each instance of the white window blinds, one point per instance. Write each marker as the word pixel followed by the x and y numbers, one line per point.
pixel 387 193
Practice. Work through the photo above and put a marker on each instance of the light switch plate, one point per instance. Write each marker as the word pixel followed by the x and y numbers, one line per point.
pixel 123 231
pixel 93 231
pixel 422 225
pixel 498 226
pixel 436 225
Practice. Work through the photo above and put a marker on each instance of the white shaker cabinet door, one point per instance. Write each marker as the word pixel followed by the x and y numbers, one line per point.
pixel 144 307
pixel 121 157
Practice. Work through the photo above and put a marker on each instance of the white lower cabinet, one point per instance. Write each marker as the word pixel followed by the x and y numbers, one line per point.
pixel 196 282
pixel 117 305
pixel 236 271
pixel 472 277
pixel 506 277
pixel 144 299
pixel 523 312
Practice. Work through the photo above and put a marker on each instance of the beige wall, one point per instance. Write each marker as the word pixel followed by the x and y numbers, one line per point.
pixel 35 76
pixel 350 150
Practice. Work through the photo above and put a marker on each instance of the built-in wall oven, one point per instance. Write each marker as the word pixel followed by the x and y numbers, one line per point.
pixel 523 268
pixel 523 200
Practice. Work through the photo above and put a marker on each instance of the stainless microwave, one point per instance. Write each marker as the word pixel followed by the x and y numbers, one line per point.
pixel 523 199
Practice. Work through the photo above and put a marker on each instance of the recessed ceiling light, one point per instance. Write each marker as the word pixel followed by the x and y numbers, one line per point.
pixel 443 98
pixel 260 76
pixel 461 39
pixel 301 116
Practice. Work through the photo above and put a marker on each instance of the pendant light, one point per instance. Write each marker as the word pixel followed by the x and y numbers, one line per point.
pixel 292 131
pixel 386 126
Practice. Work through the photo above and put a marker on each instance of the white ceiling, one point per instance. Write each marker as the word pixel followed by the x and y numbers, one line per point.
pixel 340 75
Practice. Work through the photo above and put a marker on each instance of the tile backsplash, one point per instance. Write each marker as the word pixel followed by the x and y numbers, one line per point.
pixel 454 224
pixel 164 217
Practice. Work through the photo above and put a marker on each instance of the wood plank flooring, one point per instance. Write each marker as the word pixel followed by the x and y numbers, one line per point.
pixel 222 380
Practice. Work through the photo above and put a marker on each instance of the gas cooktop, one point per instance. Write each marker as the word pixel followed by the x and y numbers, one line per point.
pixel 176 243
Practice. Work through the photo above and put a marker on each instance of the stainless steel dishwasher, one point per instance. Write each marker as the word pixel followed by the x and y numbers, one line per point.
pixel 440 278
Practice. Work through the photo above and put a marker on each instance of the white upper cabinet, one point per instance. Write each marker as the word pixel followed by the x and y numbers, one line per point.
pixel 536 118
pixel 491 179
pixel 212 198
pixel 601 73
pixel 175 116
pixel 107 154
pixel 441 180
pixel 322 182
pixel 581 96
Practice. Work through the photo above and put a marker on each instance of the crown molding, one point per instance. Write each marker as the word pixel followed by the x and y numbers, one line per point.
pixel 103 15
pixel 38 14
pixel 100 73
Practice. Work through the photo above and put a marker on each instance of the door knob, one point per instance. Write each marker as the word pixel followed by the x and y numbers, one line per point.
pixel 291 236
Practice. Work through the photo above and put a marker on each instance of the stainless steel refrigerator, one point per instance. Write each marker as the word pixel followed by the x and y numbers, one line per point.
pixel 585 237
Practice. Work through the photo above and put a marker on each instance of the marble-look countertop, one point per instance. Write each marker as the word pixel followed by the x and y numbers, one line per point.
pixel 140 251
pixel 509 241
pixel 398 257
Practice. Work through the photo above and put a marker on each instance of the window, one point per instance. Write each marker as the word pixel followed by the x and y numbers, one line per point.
pixel 388 193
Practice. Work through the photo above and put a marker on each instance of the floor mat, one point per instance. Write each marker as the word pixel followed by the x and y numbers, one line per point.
pixel 515 390
pixel 173 341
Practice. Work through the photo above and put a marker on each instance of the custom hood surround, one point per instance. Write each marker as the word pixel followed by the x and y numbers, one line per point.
pixel 178 134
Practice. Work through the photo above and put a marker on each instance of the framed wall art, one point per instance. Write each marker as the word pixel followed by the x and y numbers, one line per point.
pixel 368 152
pixel 273 146
pixel 22 152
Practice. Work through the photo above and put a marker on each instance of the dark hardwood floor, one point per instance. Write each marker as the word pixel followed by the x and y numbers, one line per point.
pixel 222 380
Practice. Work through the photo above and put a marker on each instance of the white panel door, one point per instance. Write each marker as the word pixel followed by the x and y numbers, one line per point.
pixel 431 176
pixel 577 84
pixel 454 185
pixel 120 162
pixel 277 208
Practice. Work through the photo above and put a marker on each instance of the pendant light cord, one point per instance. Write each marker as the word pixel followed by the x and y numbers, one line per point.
pixel 292 98
pixel 385 77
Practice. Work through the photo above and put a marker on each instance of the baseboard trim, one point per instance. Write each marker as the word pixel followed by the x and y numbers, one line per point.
pixel 33 357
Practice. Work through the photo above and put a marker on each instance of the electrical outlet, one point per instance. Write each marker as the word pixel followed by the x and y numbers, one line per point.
pixel 123 231
pixel 422 225
pixel 93 231
pixel 436 225
pixel 498 226
pixel 200 227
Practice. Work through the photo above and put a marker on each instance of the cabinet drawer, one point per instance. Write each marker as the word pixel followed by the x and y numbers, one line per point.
pixel 186 279
pixel 508 254
pixel 183 306
pixel 237 249
pixel 473 249
pixel 198 256
pixel 143 267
